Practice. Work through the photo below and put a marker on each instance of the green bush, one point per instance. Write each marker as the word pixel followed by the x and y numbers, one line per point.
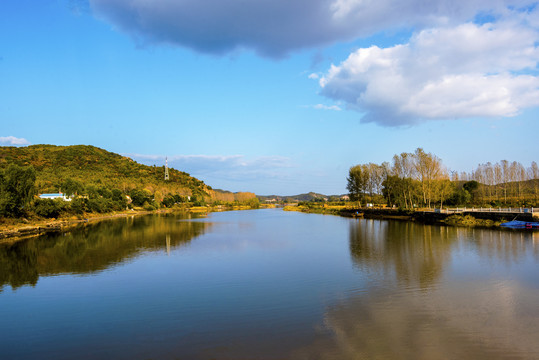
pixel 49 208
pixel 79 206
pixel 149 206
pixel 140 197
pixel 469 220
pixel 100 205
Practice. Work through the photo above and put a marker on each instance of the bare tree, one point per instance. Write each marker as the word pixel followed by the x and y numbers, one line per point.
pixel 404 168
pixel 428 167
pixel 489 177
pixel 505 178
pixel 533 174
pixel 498 178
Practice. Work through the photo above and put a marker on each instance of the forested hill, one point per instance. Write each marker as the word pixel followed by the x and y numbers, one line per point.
pixel 90 165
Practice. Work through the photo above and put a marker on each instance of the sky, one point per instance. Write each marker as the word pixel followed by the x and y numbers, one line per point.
pixel 273 96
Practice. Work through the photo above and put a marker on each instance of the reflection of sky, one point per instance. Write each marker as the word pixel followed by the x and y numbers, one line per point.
pixel 481 302
pixel 272 284
pixel 495 320
pixel 482 255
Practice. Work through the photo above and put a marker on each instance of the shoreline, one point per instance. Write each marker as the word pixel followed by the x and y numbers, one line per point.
pixel 464 219
pixel 22 229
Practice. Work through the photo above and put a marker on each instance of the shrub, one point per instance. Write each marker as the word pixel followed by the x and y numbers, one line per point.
pixel 49 208
pixel 78 206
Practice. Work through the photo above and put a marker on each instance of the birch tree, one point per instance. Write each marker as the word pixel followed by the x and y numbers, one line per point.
pixel 428 168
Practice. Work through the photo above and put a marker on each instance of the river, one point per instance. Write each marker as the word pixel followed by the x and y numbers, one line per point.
pixel 269 284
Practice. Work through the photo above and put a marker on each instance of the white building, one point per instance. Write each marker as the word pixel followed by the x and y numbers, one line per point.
pixel 55 196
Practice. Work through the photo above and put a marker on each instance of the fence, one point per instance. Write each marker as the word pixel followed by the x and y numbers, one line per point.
pixel 490 209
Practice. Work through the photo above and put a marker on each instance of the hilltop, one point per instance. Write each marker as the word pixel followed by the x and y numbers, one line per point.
pixel 91 165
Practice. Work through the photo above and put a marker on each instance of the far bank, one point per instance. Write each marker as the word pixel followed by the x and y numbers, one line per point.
pixel 457 217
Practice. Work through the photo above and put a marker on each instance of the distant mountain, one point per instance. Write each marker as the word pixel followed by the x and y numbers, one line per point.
pixel 311 196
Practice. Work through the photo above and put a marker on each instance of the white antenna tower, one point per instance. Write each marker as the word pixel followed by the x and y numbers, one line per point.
pixel 166 168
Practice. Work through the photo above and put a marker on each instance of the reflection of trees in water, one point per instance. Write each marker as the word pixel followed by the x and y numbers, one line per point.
pixel 414 252
pixel 418 253
pixel 475 319
pixel 507 246
pixel 92 247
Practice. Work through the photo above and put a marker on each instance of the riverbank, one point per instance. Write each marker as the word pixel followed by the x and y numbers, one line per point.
pixel 18 229
pixel 471 219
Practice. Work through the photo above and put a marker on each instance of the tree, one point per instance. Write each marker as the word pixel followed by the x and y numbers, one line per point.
pixel 445 190
pixel 49 208
pixel 168 201
pixel 505 177
pixel 403 167
pixel 393 191
pixel 356 183
pixel 119 199
pixel 158 198
pixel 253 203
pixel 533 174
pixel 139 197
pixel 490 180
pixel 428 168
pixel 471 187
pixel 375 177
pixel 498 178
pixel 71 187
pixel 17 188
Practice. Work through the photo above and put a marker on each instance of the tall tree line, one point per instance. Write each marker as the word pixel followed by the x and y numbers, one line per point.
pixel 507 182
pixel 420 179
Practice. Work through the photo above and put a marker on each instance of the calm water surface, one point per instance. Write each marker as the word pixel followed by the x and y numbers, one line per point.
pixel 269 284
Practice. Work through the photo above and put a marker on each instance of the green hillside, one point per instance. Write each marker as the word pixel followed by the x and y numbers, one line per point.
pixel 93 166
pixel 96 181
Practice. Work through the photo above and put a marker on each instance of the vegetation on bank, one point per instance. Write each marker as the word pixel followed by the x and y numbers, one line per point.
pixel 317 208
pixel 96 181
pixel 420 180
pixel 391 213
pixel 468 220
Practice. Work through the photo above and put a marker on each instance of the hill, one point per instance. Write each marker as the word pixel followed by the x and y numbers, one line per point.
pixel 93 166
pixel 311 196
pixel 95 181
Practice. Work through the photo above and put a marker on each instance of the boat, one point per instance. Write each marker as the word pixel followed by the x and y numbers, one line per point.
pixel 517 224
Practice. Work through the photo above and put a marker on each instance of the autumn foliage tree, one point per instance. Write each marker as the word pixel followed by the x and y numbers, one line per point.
pixel 420 179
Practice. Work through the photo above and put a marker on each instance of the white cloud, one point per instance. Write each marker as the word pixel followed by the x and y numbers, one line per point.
pixel 451 68
pixel 276 27
pixel 230 167
pixel 460 71
pixel 327 107
pixel 12 140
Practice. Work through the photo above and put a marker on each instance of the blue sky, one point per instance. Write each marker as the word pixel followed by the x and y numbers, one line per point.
pixel 273 97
